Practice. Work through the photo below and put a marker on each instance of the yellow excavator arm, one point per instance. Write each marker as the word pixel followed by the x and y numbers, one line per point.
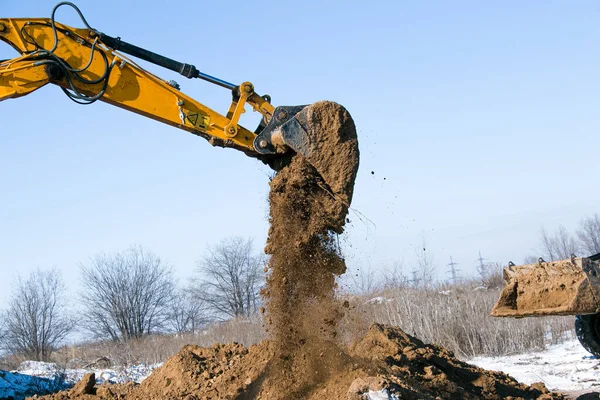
pixel 90 65
pixel 83 64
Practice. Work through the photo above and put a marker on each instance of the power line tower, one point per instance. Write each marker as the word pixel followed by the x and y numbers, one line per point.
pixel 453 270
pixel 481 266
pixel 416 281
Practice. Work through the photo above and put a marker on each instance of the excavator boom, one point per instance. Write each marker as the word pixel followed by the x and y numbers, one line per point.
pixel 89 70
pixel 90 65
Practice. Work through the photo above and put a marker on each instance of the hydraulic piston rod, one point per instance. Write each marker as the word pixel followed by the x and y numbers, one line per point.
pixel 187 70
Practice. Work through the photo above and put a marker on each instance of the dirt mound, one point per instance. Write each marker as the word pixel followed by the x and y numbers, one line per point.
pixel 416 370
pixel 385 358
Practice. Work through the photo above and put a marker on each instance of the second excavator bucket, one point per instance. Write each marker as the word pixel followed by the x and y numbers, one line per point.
pixel 566 287
pixel 324 133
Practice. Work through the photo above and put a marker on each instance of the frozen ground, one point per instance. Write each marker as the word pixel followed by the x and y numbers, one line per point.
pixel 562 367
pixel 136 373
pixel 34 377
pixel 381 395
pixel 18 386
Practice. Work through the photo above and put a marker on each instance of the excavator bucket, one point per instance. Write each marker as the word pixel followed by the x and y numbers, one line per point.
pixel 566 287
pixel 324 133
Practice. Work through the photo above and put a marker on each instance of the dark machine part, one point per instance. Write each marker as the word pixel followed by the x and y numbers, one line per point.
pixel 187 70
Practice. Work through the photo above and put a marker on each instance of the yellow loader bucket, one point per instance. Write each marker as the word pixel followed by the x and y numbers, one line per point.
pixel 566 287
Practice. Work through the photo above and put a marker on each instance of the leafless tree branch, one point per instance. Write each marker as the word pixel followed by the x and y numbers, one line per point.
pixel 589 234
pixel 186 312
pixel 36 320
pixel 558 246
pixel 126 295
pixel 230 278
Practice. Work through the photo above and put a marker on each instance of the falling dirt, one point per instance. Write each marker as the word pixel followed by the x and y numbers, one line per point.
pixel 304 359
pixel 302 314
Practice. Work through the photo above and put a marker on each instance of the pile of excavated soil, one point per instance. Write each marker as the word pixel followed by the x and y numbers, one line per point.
pixel 385 358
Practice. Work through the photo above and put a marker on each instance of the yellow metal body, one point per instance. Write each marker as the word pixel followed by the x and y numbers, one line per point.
pixel 129 86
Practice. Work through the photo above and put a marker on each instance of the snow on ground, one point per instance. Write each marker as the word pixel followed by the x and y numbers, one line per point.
pixel 562 367
pixel 383 394
pixel 136 373
pixel 33 377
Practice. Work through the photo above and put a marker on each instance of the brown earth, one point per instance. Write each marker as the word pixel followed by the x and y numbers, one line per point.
pixel 385 358
pixel 302 314
pixel 550 288
pixel 304 359
pixel 334 150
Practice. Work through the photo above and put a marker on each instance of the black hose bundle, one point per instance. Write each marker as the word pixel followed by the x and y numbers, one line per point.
pixel 69 73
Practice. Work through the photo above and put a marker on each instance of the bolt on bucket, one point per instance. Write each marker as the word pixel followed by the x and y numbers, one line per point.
pixel 566 287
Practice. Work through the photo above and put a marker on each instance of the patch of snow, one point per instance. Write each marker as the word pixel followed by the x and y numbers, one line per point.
pixel 37 368
pixel 34 377
pixel 383 394
pixel 562 367
pixel 135 373
pixel 376 300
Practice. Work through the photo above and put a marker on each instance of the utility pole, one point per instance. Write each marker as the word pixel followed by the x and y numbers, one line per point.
pixel 453 270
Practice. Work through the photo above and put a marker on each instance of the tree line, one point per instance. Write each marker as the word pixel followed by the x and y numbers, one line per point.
pixel 553 245
pixel 130 294
pixel 561 243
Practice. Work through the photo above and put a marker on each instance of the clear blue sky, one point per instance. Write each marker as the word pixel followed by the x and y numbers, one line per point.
pixel 481 116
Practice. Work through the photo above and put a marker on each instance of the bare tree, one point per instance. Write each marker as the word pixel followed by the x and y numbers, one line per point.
pixel 531 259
pixel 230 278
pixel 589 234
pixel 363 280
pixel 423 271
pixel 126 295
pixel 186 312
pixel 36 320
pixel 490 275
pixel 558 246
pixel 394 277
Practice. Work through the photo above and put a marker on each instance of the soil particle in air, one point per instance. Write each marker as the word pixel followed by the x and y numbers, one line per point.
pixel 305 212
